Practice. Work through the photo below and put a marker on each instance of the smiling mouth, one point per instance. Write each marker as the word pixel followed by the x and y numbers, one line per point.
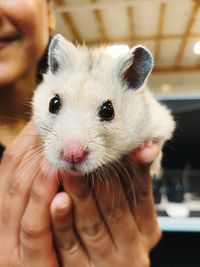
pixel 5 41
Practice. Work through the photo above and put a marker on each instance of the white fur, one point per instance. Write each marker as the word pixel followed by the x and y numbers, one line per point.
pixel 85 79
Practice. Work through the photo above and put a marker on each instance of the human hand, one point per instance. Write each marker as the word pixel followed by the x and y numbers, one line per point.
pixel 25 196
pixel 147 153
pixel 92 230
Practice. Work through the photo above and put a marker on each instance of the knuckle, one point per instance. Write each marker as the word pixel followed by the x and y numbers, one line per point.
pixel 116 214
pixel 15 187
pixel 93 231
pixel 30 231
pixel 9 155
pixel 156 236
pixel 37 195
pixel 93 228
pixel 69 246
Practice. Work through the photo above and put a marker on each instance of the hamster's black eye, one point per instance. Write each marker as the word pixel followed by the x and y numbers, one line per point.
pixel 55 104
pixel 106 112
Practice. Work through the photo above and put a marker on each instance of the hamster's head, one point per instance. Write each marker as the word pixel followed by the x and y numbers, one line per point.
pixel 89 107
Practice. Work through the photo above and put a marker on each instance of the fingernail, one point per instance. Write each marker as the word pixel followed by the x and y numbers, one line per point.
pixel 62 210
pixel 62 204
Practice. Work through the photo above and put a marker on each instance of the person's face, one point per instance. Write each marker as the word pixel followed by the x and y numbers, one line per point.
pixel 24 34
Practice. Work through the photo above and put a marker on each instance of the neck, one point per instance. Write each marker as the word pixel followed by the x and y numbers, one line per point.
pixel 15 100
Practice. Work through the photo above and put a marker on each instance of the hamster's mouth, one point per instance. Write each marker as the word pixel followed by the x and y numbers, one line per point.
pixel 72 169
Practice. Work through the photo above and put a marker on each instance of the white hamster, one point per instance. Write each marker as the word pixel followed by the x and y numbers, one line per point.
pixel 92 109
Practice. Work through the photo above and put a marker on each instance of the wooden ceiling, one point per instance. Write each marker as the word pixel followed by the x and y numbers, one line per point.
pixel 169 28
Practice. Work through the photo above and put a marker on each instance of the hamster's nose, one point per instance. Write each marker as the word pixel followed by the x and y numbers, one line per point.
pixel 74 152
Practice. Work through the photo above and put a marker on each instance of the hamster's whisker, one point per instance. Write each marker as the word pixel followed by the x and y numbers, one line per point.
pixel 114 178
pixel 103 174
pixel 127 183
pixel 30 162
pixel 36 148
pixel 103 219
pixel 48 129
pixel 35 155
pixel 137 174
pixel 89 179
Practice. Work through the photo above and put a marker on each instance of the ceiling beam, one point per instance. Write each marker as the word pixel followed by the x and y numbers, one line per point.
pixel 140 39
pixel 187 33
pixel 99 19
pixel 74 32
pixel 159 32
pixel 176 69
pixel 109 4
pixel 59 2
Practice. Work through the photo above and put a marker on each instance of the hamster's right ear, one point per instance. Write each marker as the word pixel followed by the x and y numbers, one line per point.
pixel 135 66
pixel 59 53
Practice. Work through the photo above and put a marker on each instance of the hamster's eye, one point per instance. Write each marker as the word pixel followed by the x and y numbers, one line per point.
pixel 106 112
pixel 55 104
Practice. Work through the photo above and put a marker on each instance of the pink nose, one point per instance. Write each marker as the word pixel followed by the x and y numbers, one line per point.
pixel 74 152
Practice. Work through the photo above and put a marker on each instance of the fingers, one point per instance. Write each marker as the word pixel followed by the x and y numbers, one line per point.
pixel 110 235
pixel 123 225
pixel 117 212
pixel 35 235
pixel 17 173
pixel 108 230
pixel 145 205
pixel 89 222
pixel 19 169
pixel 21 144
pixel 69 248
pixel 147 217
pixel 147 153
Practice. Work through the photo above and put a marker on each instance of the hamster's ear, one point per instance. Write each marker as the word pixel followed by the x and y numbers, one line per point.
pixel 135 67
pixel 59 53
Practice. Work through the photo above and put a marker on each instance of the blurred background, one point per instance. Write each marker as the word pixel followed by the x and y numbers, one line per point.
pixel 170 29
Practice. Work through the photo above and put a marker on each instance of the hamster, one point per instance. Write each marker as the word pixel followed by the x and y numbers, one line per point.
pixel 92 109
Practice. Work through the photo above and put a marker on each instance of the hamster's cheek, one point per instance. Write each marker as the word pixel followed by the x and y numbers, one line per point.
pixel 52 150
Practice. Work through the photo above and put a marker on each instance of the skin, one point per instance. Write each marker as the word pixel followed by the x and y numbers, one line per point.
pixel 91 240
pixel 28 241
pixel 24 35
pixel 30 206
pixel 20 21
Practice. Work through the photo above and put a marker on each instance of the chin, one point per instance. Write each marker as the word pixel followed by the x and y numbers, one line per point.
pixel 11 72
pixel 7 77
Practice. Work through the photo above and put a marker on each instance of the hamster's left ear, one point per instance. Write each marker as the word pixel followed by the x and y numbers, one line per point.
pixel 60 53
pixel 135 66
